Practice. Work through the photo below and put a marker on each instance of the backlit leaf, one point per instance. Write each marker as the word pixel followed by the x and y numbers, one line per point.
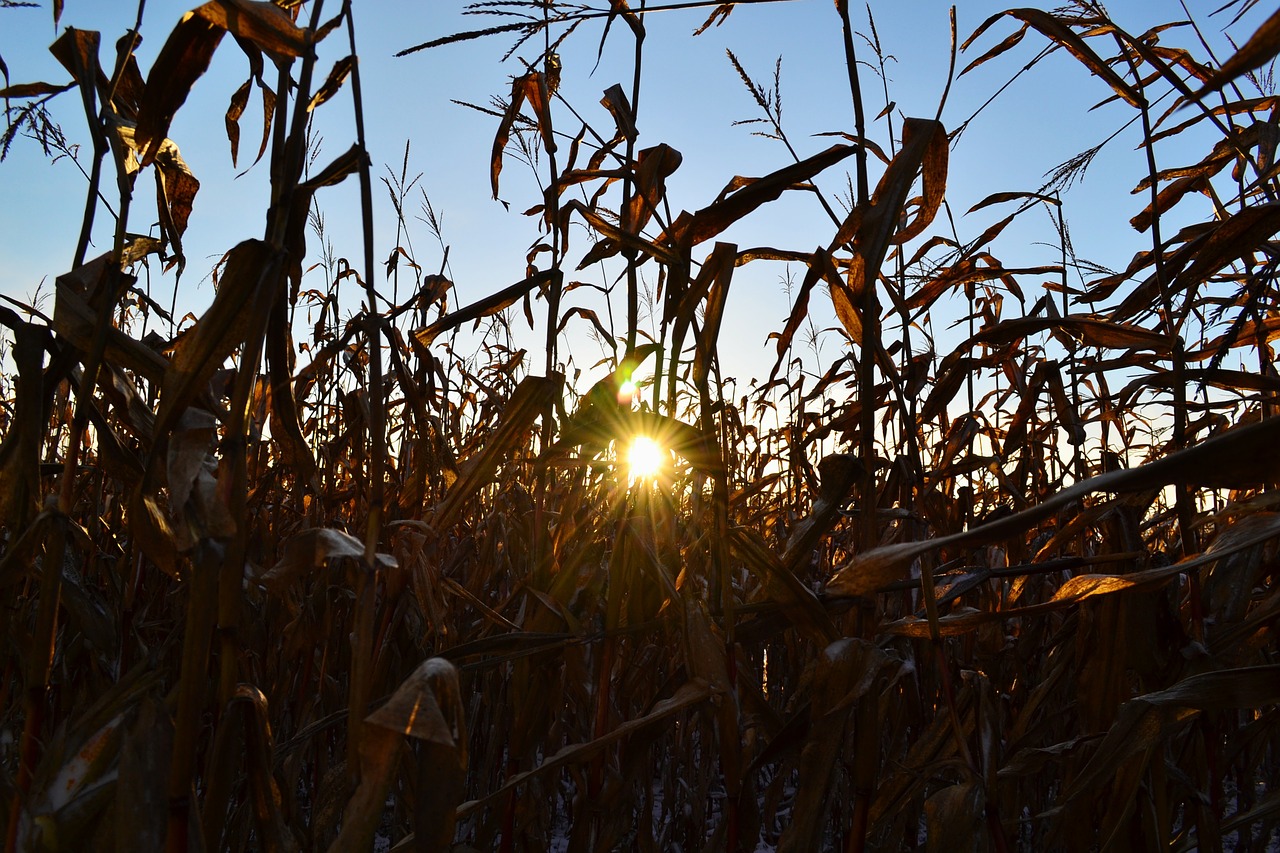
pixel 183 59
pixel 333 83
pixel 1260 49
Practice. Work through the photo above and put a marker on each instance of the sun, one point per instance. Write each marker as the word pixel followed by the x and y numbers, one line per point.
pixel 645 458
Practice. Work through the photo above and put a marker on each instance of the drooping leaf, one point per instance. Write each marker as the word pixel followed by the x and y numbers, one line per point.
pixel 654 166
pixel 719 273
pixel 532 399
pixel 1059 31
pixel 503 134
pixel 249 708
pixel 176 189
pixel 486 307
pixel 844 301
pixel 872 230
pixel 286 427
pixel 539 98
pixel 1008 43
pixel 617 7
pixel 624 120
pixel 1145 721
pixel 1236 458
pixel 263 23
pixel 427 706
pixel 1260 49
pixel 742 197
pixel 933 175
pixel 846 672
pixel 74 321
pixel 306 551
pixel 77 51
pixel 333 83
pixel 953 817
pixel 615 239
pixel 1213 246
pixel 268 113
pixel 151 530
pixel 248 286
pixel 32 90
pixel 1090 331
pixel 183 59
pixel 239 100
pixel 799 605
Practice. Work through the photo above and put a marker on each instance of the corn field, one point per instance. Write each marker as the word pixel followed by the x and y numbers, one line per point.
pixel 336 564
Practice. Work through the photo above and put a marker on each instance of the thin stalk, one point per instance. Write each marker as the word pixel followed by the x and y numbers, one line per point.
pixel 1178 373
pixel 1078 461
pixel 870 305
pixel 556 286
pixel 362 653
pixel 628 187
pixel 722 572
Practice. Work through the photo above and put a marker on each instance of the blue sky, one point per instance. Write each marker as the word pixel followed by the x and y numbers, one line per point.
pixel 691 97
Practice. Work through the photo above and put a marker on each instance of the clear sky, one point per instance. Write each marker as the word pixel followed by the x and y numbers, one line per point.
pixel 691 96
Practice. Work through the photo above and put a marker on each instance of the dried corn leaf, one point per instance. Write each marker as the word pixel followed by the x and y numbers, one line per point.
pixel 176 189
pixel 718 273
pixel 624 119
pixel 1237 458
pixel 77 51
pixel 285 424
pixel 32 90
pixel 846 672
pixel 1204 252
pixel 503 134
pixel 239 100
pixel 873 229
pixel 259 757
pixel 152 532
pixel 338 75
pixel 1144 722
pixel 653 167
pixel 1260 49
pixel 185 56
pixel 248 288
pixel 743 196
pixel 264 24
pixel 485 307
pixel 20 447
pixel 953 818
pixel 1057 30
pixel 532 399
pixel 615 239
pixel 691 693
pixel 427 706
pixel 800 606
pixel 1089 331
pixel 306 551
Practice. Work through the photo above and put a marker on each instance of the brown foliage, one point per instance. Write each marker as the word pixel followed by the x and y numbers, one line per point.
pixel 955 598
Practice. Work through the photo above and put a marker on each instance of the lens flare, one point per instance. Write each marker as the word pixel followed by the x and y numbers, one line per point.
pixel 645 458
